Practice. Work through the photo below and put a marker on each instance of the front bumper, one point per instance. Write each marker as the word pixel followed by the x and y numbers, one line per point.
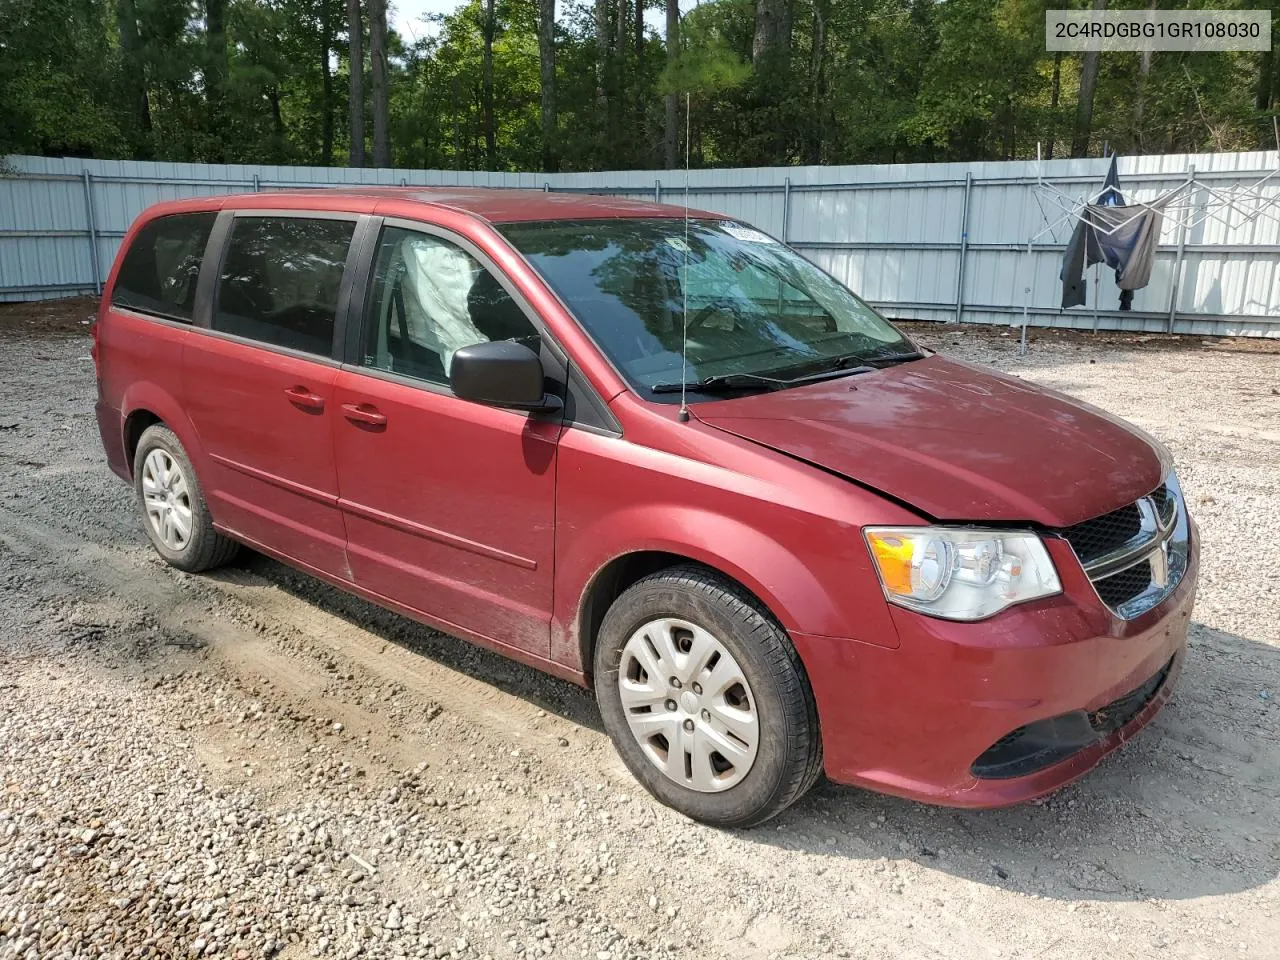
pixel 913 721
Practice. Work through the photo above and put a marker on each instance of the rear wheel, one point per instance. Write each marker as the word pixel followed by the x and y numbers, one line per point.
pixel 174 513
pixel 705 698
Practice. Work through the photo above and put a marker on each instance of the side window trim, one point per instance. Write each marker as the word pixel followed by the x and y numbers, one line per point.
pixel 220 243
pixel 365 246
pixel 214 254
pixel 348 313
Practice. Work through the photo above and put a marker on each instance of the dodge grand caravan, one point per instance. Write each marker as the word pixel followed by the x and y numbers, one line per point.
pixel 673 461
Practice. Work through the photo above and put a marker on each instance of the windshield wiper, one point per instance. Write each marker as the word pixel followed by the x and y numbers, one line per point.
pixel 720 384
pixel 727 382
pixel 850 363
pixel 888 359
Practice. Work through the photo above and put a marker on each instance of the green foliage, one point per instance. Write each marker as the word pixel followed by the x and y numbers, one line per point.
pixel 850 81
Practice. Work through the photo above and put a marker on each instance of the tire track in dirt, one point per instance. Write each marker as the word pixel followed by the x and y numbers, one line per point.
pixel 175 600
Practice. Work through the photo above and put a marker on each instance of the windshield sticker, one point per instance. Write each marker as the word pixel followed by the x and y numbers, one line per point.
pixel 678 243
pixel 746 234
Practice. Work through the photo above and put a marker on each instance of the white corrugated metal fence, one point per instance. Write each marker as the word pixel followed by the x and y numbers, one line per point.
pixel 940 241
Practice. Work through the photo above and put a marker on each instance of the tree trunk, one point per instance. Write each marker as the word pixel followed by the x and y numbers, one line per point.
pixel 638 25
pixel 215 35
pixel 639 81
pixel 356 29
pixel 1140 101
pixel 1262 92
pixel 326 83
pixel 135 78
pixel 547 64
pixel 1055 92
pixel 620 31
pixel 671 141
pixel 817 81
pixel 1084 103
pixel 773 31
pixel 277 118
pixel 378 75
pixel 602 49
pixel 1264 99
pixel 490 132
pixel 774 113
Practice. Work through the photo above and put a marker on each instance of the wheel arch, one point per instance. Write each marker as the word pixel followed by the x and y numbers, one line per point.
pixel 135 425
pixel 146 404
pixel 624 569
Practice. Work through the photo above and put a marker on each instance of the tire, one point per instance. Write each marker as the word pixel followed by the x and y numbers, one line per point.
pixel 681 603
pixel 202 548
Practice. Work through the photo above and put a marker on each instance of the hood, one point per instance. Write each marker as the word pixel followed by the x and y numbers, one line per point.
pixel 955 441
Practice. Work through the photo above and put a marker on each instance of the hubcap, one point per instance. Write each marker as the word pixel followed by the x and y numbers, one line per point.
pixel 168 502
pixel 688 704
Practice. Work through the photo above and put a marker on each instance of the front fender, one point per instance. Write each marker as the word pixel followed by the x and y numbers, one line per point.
pixel 794 541
pixel 777 577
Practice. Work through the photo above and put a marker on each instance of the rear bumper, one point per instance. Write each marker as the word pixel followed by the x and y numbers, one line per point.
pixel 913 721
pixel 111 429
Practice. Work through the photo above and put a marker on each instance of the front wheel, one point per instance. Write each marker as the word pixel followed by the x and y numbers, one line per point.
pixel 705 698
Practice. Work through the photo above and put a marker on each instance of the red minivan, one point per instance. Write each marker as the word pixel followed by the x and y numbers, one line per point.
pixel 662 455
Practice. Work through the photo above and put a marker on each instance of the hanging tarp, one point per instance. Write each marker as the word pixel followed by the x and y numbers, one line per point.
pixel 1108 231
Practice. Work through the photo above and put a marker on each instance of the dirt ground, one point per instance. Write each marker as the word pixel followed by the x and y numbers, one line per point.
pixel 252 764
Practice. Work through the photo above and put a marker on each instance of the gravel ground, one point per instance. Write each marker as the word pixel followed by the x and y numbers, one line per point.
pixel 251 764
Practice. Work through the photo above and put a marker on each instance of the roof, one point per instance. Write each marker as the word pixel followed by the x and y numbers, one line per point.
pixel 501 205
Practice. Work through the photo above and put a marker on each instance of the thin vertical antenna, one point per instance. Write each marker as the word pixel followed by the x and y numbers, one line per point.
pixel 684 284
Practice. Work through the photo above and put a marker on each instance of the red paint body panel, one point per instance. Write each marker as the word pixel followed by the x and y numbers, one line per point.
pixel 959 687
pixel 495 525
pixel 450 508
pixel 789 535
pixel 267 462
pixel 139 365
pixel 956 441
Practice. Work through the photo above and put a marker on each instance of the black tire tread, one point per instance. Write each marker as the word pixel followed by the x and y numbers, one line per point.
pixel 804 741
pixel 208 548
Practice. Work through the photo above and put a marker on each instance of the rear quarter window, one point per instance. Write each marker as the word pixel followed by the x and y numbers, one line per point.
pixel 159 272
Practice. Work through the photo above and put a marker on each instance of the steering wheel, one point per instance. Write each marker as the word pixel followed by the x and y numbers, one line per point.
pixel 719 303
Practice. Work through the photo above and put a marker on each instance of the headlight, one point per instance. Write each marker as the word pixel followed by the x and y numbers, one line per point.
pixel 960 574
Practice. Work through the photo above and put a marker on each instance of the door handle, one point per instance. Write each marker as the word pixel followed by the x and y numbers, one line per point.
pixel 300 396
pixel 365 413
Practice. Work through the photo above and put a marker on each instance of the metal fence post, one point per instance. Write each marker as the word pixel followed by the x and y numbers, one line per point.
pixel 257 184
pixel 93 230
pixel 964 245
pixel 657 191
pixel 786 209
pixel 1177 260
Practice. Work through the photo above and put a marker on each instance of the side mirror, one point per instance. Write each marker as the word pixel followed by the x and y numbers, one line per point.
pixel 500 373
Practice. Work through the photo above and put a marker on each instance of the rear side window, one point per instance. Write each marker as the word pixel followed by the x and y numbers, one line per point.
pixel 280 279
pixel 160 269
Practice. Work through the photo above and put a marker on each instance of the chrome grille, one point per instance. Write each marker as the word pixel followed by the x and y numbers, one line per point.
pixel 1135 556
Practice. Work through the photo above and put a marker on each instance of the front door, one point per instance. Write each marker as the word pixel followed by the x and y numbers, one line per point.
pixel 259 388
pixel 449 505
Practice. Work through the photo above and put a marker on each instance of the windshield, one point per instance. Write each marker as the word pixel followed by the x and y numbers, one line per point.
pixel 754 306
